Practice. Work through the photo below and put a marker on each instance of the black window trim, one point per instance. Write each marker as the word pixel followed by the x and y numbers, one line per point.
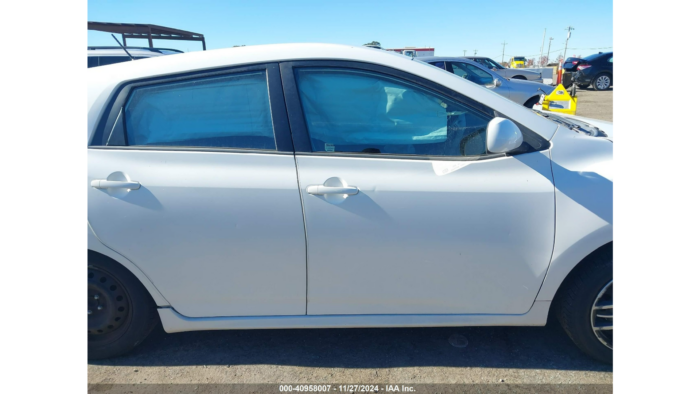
pixel 302 140
pixel 120 96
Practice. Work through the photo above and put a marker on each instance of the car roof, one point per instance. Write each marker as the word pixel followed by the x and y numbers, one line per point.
pixel 103 81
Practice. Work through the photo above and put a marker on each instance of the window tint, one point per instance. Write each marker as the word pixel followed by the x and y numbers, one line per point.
pixel 231 111
pixel 439 65
pixel 610 60
pixel 92 61
pixel 357 111
pixel 472 73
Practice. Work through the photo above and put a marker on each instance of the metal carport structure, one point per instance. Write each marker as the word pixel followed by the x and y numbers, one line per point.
pixel 147 31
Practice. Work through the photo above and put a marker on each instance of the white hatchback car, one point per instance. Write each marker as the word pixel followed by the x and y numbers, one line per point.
pixel 318 186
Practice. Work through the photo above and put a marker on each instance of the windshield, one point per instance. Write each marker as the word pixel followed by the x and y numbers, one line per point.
pixel 574 124
pixel 519 59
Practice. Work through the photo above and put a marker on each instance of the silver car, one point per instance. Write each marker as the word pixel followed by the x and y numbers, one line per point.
pixel 525 93
pixel 510 73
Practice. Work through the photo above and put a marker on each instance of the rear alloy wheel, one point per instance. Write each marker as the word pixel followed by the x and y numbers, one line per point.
pixel 121 313
pixel 602 82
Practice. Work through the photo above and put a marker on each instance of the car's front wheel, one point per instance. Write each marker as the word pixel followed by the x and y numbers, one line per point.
pixel 585 307
pixel 121 313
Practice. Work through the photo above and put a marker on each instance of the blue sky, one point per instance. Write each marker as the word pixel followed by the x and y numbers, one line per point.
pixel 451 27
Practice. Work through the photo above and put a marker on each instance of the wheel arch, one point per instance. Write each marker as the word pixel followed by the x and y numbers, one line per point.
pixel 569 261
pixel 96 249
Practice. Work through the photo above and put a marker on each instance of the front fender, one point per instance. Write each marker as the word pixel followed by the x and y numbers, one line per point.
pixel 583 179
pixel 95 245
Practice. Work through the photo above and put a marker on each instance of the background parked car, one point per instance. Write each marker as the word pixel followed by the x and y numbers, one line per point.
pixel 525 93
pixel 102 56
pixel 596 71
pixel 512 73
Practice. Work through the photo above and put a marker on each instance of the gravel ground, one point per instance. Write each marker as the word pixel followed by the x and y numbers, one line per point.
pixel 513 355
pixel 594 104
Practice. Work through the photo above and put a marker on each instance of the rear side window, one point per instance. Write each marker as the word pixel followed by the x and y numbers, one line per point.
pixel 366 112
pixel 472 73
pixel 231 112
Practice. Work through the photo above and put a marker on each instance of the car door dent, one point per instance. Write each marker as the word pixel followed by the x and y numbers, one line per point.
pixel 95 244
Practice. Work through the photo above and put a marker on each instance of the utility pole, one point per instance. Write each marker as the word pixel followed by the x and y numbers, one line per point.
pixel 504 51
pixel 542 47
pixel 465 52
pixel 550 47
pixel 567 40
pixel 475 52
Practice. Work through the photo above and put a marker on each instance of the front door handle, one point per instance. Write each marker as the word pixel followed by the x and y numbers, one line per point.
pixel 321 189
pixel 104 184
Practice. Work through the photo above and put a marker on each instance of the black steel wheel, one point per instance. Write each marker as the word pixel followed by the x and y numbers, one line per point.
pixel 121 313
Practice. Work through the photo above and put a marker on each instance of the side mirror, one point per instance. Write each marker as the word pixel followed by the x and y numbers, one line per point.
pixel 502 136
pixel 497 83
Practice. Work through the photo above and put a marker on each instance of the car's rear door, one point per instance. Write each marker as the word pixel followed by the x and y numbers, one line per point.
pixel 193 179
pixel 406 212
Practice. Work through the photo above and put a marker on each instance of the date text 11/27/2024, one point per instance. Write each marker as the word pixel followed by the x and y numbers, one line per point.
pixel 347 388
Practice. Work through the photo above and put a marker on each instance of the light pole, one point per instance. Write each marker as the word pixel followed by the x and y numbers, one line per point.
pixel 550 47
pixel 567 40
pixel 542 47
pixel 504 51
pixel 475 52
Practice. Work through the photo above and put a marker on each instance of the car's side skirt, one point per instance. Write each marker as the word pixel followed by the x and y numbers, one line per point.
pixel 175 322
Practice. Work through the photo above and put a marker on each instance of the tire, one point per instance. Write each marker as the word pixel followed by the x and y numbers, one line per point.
pixel 602 82
pixel 519 77
pixel 121 313
pixel 588 286
pixel 531 102
pixel 583 86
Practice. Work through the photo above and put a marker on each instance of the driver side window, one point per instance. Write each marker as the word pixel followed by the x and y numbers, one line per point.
pixel 472 73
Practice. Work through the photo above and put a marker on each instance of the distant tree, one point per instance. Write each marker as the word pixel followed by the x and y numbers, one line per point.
pixel 530 63
pixel 504 64
pixel 373 44
pixel 560 58
pixel 543 61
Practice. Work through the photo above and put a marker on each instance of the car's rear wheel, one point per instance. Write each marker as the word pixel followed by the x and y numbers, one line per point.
pixel 585 307
pixel 602 82
pixel 121 313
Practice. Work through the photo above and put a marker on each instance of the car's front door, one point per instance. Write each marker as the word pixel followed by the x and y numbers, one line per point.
pixel 406 212
pixel 193 179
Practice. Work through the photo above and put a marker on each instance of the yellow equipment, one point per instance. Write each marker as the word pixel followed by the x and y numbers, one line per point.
pixel 561 101
pixel 517 62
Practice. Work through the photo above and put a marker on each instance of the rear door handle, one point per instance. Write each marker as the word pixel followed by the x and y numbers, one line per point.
pixel 103 184
pixel 320 189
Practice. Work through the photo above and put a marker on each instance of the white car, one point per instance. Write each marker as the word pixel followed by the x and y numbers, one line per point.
pixel 321 186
